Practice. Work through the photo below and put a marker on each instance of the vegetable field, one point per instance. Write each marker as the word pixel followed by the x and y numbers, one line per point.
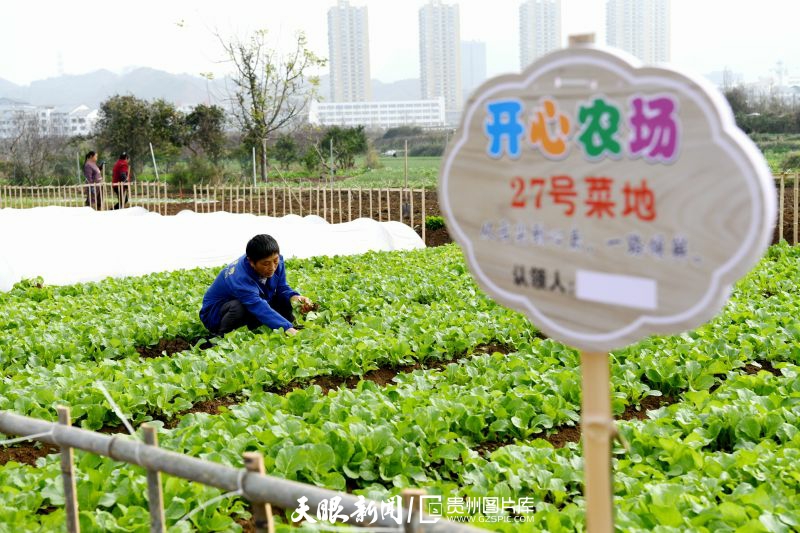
pixel 406 376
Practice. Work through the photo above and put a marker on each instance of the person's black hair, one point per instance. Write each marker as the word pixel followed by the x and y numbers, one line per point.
pixel 261 246
pixel 123 155
pixel 89 155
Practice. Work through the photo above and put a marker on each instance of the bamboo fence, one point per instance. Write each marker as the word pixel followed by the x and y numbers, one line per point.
pixel 335 205
pixel 101 196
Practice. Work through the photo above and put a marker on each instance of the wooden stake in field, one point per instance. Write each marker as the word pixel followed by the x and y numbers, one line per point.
pixel 68 476
pixel 262 512
pixel 155 497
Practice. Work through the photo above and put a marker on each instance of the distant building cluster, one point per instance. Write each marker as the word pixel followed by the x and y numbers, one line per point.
pixel 450 69
pixel 67 121
pixel 424 113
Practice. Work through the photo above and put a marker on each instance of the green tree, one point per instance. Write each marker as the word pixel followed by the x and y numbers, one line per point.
pixel 285 150
pixel 402 131
pixel 269 92
pixel 347 143
pixel 737 99
pixel 311 159
pixel 168 131
pixel 124 125
pixel 205 129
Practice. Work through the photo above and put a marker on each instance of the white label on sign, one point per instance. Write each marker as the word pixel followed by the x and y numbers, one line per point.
pixel 616 289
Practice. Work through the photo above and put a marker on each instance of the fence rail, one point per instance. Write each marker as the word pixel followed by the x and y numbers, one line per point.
pixel 249 482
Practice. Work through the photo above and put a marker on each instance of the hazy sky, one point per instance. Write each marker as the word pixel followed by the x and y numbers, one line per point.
pixel 39 39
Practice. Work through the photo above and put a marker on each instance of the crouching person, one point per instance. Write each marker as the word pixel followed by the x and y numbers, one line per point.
pixel 252 291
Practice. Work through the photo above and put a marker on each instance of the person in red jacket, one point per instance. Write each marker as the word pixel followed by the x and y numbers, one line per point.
pixel 120 177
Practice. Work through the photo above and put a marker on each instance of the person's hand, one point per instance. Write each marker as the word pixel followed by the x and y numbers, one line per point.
pixel 292 332
pixel 306 304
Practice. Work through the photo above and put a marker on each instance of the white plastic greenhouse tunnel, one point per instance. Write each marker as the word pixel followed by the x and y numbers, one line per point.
pixel 65 245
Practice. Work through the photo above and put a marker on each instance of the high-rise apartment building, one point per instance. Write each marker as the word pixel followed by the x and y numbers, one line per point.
pixel 539 29
pixel 640 27
pixel 348 53
pixel 440 54
pixel 473 66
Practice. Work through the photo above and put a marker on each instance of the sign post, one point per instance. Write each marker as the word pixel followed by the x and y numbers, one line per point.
pixel 607 201
pixel 597 430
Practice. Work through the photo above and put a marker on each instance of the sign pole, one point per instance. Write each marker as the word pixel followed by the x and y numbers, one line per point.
pixel 597 429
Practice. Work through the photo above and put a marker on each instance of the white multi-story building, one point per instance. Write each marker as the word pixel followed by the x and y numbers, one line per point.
pixel 348 53
pixel 51 121
pixel 473 66
pixel 440 55
pixel 423 113
pixel 539 29
pixel 640 27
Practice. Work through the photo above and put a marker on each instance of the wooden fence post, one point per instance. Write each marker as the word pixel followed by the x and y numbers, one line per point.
pixel 412 503
pixel 780 210
pixel 262 512
pixel 155 497
pixel 794 229
pixel 411 211
pixel 424 218
pixel 68 476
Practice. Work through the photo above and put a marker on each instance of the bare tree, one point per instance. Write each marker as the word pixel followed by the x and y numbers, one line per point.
pixel 32 147
pixel 269 91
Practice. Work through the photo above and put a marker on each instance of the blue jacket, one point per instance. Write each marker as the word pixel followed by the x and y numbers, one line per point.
pixel 238 281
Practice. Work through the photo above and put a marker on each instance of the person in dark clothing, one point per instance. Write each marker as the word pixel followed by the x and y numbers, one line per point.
pixel 120 177
pixel 252 291
pixel 94 181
